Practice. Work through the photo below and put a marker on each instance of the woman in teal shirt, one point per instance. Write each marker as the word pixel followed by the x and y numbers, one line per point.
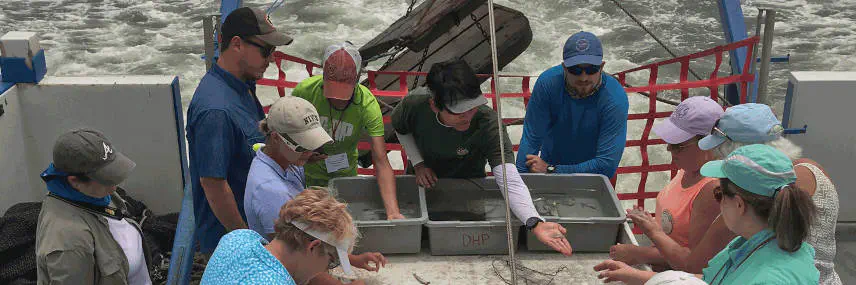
pixel 771 217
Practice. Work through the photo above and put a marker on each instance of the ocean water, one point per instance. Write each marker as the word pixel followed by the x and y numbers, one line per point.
pixel 144 37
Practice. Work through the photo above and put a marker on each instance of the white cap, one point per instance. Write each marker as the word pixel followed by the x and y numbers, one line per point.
pixel 342 247
pixel 297 121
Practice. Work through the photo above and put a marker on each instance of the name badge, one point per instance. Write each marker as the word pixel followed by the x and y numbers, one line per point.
pixel 336 162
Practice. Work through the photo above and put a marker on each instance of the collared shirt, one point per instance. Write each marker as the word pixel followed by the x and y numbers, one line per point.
pixel 268 188
pixel 241 258
pixel 584 135
pixel 222 126
pixel 769 264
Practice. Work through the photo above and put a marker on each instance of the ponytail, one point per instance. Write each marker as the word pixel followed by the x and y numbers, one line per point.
pixel 791 217
pixel 789 213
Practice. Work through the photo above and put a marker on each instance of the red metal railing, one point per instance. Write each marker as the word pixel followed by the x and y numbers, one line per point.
pixel 652 88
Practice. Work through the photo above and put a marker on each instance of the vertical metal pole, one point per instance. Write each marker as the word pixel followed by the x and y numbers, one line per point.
pixel 508 229
pixel 769 23
pixel 209 38
pixel 753 66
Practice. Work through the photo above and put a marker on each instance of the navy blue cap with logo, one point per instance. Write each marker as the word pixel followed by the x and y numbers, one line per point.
pixel 582 48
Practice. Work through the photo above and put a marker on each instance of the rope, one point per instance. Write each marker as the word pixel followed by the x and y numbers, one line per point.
pixel 662 44
pixel 530 276
pixel 495 82
pixel 273 6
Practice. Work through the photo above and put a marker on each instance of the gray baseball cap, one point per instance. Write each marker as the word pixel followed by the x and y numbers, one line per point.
pixel 462 104
pixel 88 152
pixel 247 21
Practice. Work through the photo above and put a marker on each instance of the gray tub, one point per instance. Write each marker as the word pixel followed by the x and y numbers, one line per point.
pixel 467 217
pixel 366 206
pixel 585 204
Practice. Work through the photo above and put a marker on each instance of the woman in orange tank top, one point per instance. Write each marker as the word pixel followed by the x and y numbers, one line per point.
pixel 686 208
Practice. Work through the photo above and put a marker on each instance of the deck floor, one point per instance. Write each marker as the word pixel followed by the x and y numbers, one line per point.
pixel 478 269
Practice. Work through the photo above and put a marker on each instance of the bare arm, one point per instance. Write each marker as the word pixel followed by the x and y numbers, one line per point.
pixel 385 178
pixel 222 202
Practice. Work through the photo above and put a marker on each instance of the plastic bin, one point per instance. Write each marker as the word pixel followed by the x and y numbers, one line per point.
pixel 467 218
pixel 366 206
pixel 585 204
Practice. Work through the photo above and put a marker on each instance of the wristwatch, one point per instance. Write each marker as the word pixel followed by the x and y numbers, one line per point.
pixel 532 222
pixel 551 168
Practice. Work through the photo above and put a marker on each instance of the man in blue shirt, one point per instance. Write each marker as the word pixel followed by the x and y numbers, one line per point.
pixel 222 123
pixel 577 115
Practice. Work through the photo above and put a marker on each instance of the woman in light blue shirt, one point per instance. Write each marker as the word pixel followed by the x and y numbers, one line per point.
pixel 772 218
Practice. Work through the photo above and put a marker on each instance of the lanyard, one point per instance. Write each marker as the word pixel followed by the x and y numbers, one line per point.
pixel 738 265
pixel 339 121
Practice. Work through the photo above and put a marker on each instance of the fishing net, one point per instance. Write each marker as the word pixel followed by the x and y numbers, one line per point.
pixel 525 275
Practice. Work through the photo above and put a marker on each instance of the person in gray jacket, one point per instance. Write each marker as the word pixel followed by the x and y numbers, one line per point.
pixel 83 236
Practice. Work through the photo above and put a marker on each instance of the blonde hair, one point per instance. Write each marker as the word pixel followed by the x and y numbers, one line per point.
pixel 318 208
pixel 782 144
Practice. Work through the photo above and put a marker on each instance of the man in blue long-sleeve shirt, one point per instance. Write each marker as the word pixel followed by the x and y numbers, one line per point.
pixel 577 115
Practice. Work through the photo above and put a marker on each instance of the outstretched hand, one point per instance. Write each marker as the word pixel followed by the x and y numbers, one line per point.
pixel 425 177
pixel 553 235
pixel 617 271
pixel 371 261
pixel 644 221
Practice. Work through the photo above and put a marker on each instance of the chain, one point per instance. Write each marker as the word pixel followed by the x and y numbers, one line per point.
pixel 421 63
pixel 409 9
pixel 478 25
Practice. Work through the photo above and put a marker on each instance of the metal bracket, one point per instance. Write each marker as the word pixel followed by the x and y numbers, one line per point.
pixel 797 131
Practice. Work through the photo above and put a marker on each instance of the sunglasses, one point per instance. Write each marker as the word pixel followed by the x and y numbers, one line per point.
pixel 298 148
pixel 577 69
pixel 265 50
pixel 681 146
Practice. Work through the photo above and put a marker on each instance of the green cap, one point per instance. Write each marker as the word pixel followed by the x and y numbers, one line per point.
pixel 89 152
pixel 757 168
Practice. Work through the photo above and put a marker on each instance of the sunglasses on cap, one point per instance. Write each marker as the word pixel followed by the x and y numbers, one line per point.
pixel 297 147
pixel 265 50
pixel 577 69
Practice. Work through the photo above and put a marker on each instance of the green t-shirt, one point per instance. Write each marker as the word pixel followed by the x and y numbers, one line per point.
pixel 768 265
pixel 345 127
pixel 448 152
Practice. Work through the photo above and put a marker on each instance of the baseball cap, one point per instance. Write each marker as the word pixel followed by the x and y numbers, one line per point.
pixel 463 104
pixel 749 123
pixel 342 64
pixel 245 21
pixel 675 277
pixel 582 48
pixel 695 116
pixel 757 168
pixel 88 152
pixel 342 246
pixel 297 121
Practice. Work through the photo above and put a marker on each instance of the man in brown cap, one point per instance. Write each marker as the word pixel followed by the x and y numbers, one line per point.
pixel 222 123
pixel 83 235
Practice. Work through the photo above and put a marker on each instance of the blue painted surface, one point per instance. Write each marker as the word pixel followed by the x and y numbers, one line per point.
pixel 776 59
pixel 182 247
pixel 17 71
pixel 802 130
pixel 789 97
pixel 5 86
pixel 734 27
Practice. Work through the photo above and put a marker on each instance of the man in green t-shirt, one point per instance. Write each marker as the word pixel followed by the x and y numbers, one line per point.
pixel 447 131
pixel 346 110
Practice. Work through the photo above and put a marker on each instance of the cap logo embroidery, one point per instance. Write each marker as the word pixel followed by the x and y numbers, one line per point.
pixel 776 130
pixel 107 151
pixel 267 19
pixel 312 118
pixel 461 151
pixel 681 112
pixel 582 45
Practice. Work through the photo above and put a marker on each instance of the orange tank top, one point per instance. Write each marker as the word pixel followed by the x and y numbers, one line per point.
pixel 674 207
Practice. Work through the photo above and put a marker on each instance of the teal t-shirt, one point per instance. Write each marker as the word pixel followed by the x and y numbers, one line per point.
pixel 241 258
pixel 768 265
pixel 345 127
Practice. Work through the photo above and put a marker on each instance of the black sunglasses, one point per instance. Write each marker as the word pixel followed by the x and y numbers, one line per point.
pixel 265 50
pixel 577 70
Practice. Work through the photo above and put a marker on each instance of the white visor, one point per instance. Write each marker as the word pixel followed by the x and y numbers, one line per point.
pixel 342 247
